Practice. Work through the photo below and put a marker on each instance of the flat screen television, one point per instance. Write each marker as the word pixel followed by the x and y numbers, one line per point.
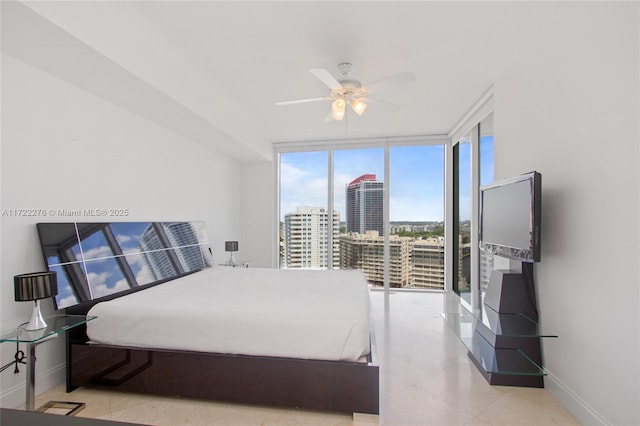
pixel 510 213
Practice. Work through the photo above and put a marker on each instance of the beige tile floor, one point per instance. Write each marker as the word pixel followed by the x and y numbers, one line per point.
pixel 425 379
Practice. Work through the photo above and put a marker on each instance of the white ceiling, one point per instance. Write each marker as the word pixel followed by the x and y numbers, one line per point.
pixel 227 63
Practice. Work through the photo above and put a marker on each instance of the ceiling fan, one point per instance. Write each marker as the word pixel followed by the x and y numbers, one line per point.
pixel 347 91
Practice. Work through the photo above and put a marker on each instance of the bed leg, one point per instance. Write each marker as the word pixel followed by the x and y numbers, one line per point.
pixel 366 418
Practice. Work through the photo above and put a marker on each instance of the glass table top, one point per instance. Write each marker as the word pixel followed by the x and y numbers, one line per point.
pixel 55 325
pixel 508 325
pixel 498 360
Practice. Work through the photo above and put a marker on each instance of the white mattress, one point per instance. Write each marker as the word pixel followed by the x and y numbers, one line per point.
pixel 252 311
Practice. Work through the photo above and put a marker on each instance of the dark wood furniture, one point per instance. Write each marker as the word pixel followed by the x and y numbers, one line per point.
pixel 338 386
pixel 171 250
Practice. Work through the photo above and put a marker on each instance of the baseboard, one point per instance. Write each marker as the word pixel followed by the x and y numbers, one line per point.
pixel 579 408
pixel 14 397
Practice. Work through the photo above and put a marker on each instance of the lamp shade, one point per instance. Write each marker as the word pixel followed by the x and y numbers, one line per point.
pixel 35 285
pixel 358 106
pixel 231 246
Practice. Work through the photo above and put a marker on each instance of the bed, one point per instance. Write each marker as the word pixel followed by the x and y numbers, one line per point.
pixel 286 338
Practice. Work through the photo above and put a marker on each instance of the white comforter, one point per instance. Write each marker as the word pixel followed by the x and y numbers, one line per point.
pixel 251 311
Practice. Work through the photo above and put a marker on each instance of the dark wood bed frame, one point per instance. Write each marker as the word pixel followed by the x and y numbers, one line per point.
pixel 338 386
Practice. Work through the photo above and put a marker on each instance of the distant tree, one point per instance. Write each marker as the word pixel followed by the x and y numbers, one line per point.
pixel 437 232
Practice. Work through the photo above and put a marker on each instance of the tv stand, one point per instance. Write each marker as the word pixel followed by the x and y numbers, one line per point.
pixel 512 292
pixel 505 345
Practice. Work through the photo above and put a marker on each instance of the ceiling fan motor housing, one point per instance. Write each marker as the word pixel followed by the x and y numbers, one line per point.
pixel 345 68
pixel 351 89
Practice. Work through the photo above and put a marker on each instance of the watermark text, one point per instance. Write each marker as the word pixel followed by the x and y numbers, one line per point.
pixel 84 212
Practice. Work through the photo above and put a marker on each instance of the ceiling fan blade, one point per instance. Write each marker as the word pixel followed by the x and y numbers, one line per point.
pixel 301 101
pixel 385 83
pixel 325 77
pixel 329 117
pixel 387 105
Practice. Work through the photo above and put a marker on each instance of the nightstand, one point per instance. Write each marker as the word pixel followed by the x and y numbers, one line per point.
pixel 55 325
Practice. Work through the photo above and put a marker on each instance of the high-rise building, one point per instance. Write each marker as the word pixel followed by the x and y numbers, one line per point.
pixel 186 256
pixel 427 263
pixel 366 252
pixel 306 238
pixel 365 205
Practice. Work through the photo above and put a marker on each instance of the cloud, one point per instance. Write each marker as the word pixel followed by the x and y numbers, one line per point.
pixel 98 283
pixel 136 261
pixel 99 288
pixel 290 175
pixel 97 253
pixel 299 187
pixel 144 276
pixel 67 301
pixel 129 244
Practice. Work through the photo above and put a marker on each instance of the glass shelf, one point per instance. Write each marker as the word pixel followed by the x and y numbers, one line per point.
pixel 503 361
pixel 55 325
pixel 497 360
pixel 506 325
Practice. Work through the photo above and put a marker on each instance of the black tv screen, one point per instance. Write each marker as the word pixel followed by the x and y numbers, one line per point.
pixel 510 214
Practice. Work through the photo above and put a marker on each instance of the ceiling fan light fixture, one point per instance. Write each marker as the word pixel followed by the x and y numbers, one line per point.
pixel 358 106
pixel 339 105
pixel 338 115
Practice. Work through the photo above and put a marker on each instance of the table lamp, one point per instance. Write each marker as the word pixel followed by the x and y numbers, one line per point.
pixel 35 286
pixel 231 246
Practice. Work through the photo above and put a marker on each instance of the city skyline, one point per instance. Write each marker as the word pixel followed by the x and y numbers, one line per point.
pixel 416 175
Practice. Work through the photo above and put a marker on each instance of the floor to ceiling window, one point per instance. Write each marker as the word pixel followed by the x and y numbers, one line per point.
pixel 486 177
pixel 387 200
pixel 358 178
pixel 462 217
pixel 416 216
pixel 304 213
pixel 472 167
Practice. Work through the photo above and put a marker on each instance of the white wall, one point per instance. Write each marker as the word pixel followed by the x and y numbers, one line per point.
pixel 568 107
pixel 258 233
pixel 64 148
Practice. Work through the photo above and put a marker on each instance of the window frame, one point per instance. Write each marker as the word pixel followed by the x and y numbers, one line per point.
pixel 469 124
pixel 361 143
pixel 482 108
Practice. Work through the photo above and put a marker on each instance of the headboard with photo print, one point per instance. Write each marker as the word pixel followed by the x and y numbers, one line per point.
pixel 97 261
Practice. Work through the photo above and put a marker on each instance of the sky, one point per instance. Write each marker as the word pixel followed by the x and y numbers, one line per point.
pixel 416 178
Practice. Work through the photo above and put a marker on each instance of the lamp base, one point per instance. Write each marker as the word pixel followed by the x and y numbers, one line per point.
pixel 231 261
pixel 36 322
